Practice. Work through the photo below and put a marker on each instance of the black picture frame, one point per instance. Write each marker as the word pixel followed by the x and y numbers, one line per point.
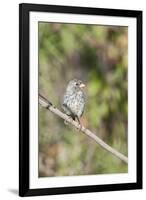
pixel 24 10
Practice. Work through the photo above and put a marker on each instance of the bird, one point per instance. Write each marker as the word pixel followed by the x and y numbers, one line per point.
pixel 74 100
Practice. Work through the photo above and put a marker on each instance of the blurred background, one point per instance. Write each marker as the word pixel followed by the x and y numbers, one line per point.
pixel 98 55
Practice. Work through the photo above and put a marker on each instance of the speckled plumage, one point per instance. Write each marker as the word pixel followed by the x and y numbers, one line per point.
pixel 74 99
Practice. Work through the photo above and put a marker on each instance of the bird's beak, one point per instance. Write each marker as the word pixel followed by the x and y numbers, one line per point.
pixel 82 85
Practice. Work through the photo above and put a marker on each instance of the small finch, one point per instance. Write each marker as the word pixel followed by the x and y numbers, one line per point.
pixel 74 99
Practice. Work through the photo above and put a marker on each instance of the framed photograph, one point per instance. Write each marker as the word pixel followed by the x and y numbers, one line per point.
pixel 80 99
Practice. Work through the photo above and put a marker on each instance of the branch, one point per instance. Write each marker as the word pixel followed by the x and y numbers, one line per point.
pixel 48 105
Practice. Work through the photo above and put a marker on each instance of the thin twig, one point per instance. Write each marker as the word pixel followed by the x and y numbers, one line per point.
pixel 48 105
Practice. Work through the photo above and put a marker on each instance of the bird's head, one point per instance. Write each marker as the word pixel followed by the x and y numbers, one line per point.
pixel 75 85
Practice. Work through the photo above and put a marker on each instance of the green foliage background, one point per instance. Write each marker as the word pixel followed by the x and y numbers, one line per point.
pixel 98 56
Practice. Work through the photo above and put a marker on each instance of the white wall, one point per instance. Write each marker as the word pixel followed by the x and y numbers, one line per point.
pixel 9 97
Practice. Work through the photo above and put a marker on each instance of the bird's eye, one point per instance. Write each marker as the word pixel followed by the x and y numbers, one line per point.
pixel 77 83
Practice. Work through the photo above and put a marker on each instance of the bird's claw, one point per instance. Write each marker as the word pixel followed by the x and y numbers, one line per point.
pixel 79 128
pixel 66 121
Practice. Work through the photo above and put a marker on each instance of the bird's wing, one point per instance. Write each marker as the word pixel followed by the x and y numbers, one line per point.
pixel 68 111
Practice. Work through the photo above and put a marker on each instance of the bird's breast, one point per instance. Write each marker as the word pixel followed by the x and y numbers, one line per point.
pixel 75 103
